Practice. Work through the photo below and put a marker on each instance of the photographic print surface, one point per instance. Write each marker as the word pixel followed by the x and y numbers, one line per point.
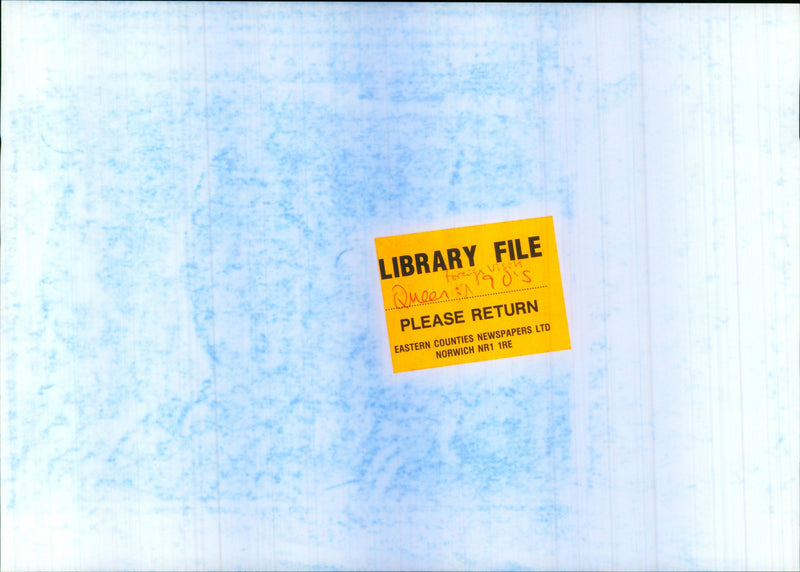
pixel 196 357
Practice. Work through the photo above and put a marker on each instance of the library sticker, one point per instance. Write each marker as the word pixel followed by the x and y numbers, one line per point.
pixel 471 294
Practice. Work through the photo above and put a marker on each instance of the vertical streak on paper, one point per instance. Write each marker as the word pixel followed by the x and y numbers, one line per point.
pixel 705 291
pixel 764 63
pixel 685 38
pixel 647 302
pixel 737 275
pixel 606 378
pixel 213 356
pixel 541 141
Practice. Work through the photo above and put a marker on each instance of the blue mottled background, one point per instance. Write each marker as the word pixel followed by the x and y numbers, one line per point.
pixel 195 370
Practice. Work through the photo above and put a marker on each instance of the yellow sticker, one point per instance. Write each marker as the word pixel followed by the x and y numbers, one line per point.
pixel 472 294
